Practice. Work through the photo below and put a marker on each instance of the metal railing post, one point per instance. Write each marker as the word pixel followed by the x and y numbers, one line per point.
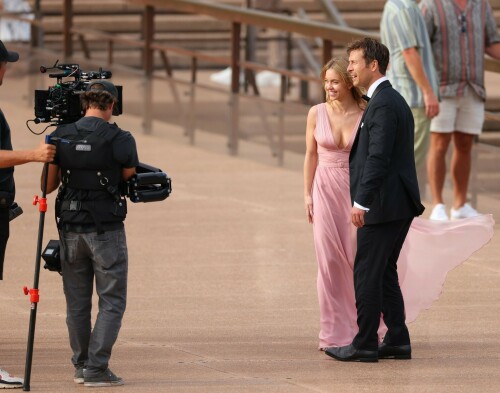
pixel 148 65
pixel 281 120
pixel 190 120
pixel 235 88
pixel 36 28
pixel 148 35
pixel 327 50
pixel 67 26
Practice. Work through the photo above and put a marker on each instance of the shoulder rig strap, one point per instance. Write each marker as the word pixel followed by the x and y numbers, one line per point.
pixel 108 131
pixel 66 130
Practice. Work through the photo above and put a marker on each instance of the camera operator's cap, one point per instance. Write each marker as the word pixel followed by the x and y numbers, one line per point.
pixel 7 55
pixel 103 85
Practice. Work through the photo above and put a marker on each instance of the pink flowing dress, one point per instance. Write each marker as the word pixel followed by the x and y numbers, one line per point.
pixel 431 249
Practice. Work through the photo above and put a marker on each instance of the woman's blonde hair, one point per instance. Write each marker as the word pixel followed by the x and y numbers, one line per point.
pixel 339 65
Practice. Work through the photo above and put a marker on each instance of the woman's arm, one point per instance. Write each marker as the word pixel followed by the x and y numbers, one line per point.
pixel 310 162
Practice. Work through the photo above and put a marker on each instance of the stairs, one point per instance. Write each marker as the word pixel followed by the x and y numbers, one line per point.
pixel 190 31
pixel 201 33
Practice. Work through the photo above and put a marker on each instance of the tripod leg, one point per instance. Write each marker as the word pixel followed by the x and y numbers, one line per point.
pixel 34 294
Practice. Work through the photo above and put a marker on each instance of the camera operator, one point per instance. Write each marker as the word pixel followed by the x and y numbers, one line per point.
pixel 93 158
pixel 8 159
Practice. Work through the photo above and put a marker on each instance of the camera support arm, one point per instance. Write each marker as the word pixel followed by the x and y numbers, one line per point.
pixel 149 184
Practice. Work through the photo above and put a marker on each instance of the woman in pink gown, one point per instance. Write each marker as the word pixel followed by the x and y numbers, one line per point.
pixel 431 249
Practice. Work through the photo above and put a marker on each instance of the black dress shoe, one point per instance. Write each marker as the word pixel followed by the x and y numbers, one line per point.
pixel 351 354
pixel 386 351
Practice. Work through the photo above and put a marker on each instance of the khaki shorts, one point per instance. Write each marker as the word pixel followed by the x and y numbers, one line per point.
pixel 464 114
pixel 422 135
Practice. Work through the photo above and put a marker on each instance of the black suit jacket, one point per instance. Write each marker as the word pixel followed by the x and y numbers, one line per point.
pixel 382 165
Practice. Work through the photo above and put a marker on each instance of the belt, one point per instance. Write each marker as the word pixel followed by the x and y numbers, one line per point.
pixel 75 205
pixel 87 228
pixel 334 164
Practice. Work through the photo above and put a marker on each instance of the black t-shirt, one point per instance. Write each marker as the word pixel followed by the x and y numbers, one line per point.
pixel 6 174
pixel 124 148
pixel 124 153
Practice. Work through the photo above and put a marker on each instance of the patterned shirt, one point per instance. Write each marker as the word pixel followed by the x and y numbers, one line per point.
pixel 458 41
pixel 403 27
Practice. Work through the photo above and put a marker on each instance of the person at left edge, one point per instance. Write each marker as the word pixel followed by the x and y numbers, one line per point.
pixel 90 210
pixel 8 159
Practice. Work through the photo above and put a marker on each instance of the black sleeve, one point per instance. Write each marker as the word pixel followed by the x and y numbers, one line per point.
pixel 125 150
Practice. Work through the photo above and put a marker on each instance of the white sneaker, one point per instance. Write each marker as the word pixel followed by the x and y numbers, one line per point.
pixel 439 213
pixel 7 381
pixel 465 211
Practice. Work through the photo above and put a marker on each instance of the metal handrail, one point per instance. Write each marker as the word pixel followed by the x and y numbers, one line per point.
pixel 333 13
pixel 254 17
pixel 326 31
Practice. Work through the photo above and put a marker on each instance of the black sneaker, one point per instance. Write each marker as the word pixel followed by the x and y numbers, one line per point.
pixel 106 378
pixel 78 378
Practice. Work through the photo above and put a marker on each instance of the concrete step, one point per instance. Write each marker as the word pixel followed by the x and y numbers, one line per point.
pixel 493 104
pixel 118 16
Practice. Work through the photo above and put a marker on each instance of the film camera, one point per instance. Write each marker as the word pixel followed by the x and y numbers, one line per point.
pixel 60 103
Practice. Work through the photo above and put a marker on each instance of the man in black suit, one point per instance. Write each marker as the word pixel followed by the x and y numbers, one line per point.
pixel 385 196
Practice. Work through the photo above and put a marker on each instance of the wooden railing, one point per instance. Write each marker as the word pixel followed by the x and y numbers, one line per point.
pixel 237 16
pixel 328 33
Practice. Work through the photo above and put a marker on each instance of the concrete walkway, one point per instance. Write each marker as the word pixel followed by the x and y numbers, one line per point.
pixel 222 291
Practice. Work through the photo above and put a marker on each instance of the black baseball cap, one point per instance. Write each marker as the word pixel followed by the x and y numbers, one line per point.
pixel 7 55
pixel 103 85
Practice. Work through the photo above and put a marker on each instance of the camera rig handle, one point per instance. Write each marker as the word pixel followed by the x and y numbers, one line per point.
pixel 149 184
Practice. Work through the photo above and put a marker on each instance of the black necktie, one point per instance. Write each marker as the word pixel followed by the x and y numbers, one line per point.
pixel 365 97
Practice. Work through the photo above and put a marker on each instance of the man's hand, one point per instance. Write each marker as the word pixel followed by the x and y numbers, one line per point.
pixel 358 217
pixel 44 153
pixel 431 105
